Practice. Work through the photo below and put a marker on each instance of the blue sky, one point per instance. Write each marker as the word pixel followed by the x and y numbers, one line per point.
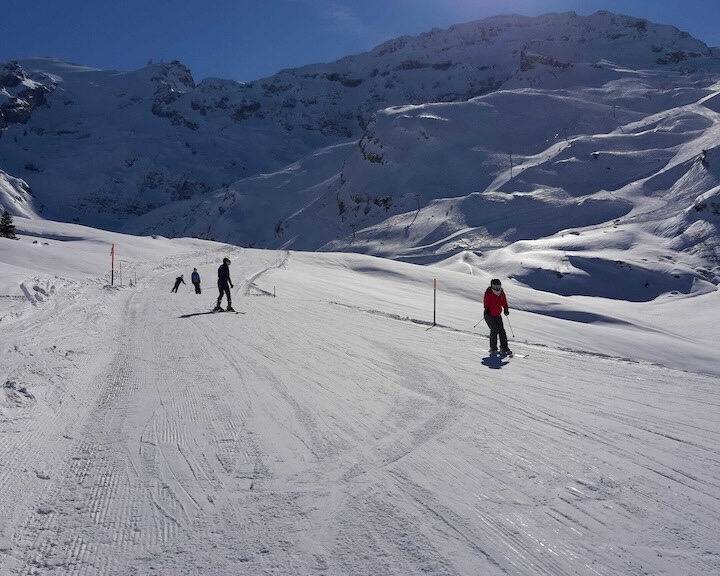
pixel 247 40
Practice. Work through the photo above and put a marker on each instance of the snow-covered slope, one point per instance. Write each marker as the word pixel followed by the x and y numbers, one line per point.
pixel 15 196
pixel 632 165
pixel 332 429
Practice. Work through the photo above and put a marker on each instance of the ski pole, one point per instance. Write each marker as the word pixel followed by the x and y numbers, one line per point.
pixel 481 320
pixel 510 326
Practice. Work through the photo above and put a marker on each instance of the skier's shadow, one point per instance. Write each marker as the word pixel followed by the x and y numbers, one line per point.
pixel 196 314
pixel 494 361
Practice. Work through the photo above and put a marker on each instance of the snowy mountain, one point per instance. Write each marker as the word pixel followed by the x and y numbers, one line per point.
pixel 604 127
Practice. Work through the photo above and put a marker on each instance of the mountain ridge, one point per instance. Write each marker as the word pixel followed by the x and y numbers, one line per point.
pixel 419 149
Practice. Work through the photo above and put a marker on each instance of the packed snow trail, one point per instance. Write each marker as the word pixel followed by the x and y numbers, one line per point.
pixel 311 437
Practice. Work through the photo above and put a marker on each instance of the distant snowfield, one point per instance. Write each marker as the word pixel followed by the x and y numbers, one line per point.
pixel 331 428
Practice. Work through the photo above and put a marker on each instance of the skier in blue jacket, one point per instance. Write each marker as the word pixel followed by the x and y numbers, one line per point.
pixel 195 278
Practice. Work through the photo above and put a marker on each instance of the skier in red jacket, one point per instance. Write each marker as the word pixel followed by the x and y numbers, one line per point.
pixel 495 304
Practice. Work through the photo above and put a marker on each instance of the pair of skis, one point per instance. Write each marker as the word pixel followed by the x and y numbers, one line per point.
pixel 507 354
pixel 219 310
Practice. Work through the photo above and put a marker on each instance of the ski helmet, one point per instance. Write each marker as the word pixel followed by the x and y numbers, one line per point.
pixel 226 260
pixel 495 283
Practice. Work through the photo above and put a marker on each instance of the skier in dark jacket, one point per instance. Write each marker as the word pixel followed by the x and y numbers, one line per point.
pixel 195 279
pixel 224 285
pixel 495 304
pixel 179 280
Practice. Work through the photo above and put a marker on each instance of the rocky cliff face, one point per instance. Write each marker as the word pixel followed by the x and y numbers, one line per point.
pixel 338 99
pixel 454 65
pixel 19 95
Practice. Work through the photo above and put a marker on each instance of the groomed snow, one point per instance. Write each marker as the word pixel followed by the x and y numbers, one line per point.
pixel 332 429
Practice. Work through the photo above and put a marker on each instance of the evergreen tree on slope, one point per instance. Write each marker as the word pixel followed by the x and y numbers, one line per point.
pixel 7 228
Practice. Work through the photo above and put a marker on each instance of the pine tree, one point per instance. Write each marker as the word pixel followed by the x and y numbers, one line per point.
pixel 7 228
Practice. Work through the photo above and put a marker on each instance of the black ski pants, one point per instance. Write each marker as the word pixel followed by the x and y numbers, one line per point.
pixel 224 289
pixel 497 328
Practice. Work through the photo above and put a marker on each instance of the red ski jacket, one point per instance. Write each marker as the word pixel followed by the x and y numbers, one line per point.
pixel 495 303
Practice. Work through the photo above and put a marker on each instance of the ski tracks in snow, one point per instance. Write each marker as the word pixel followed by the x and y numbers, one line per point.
pixel 279 443
pixel 160 444
pixel 63 386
